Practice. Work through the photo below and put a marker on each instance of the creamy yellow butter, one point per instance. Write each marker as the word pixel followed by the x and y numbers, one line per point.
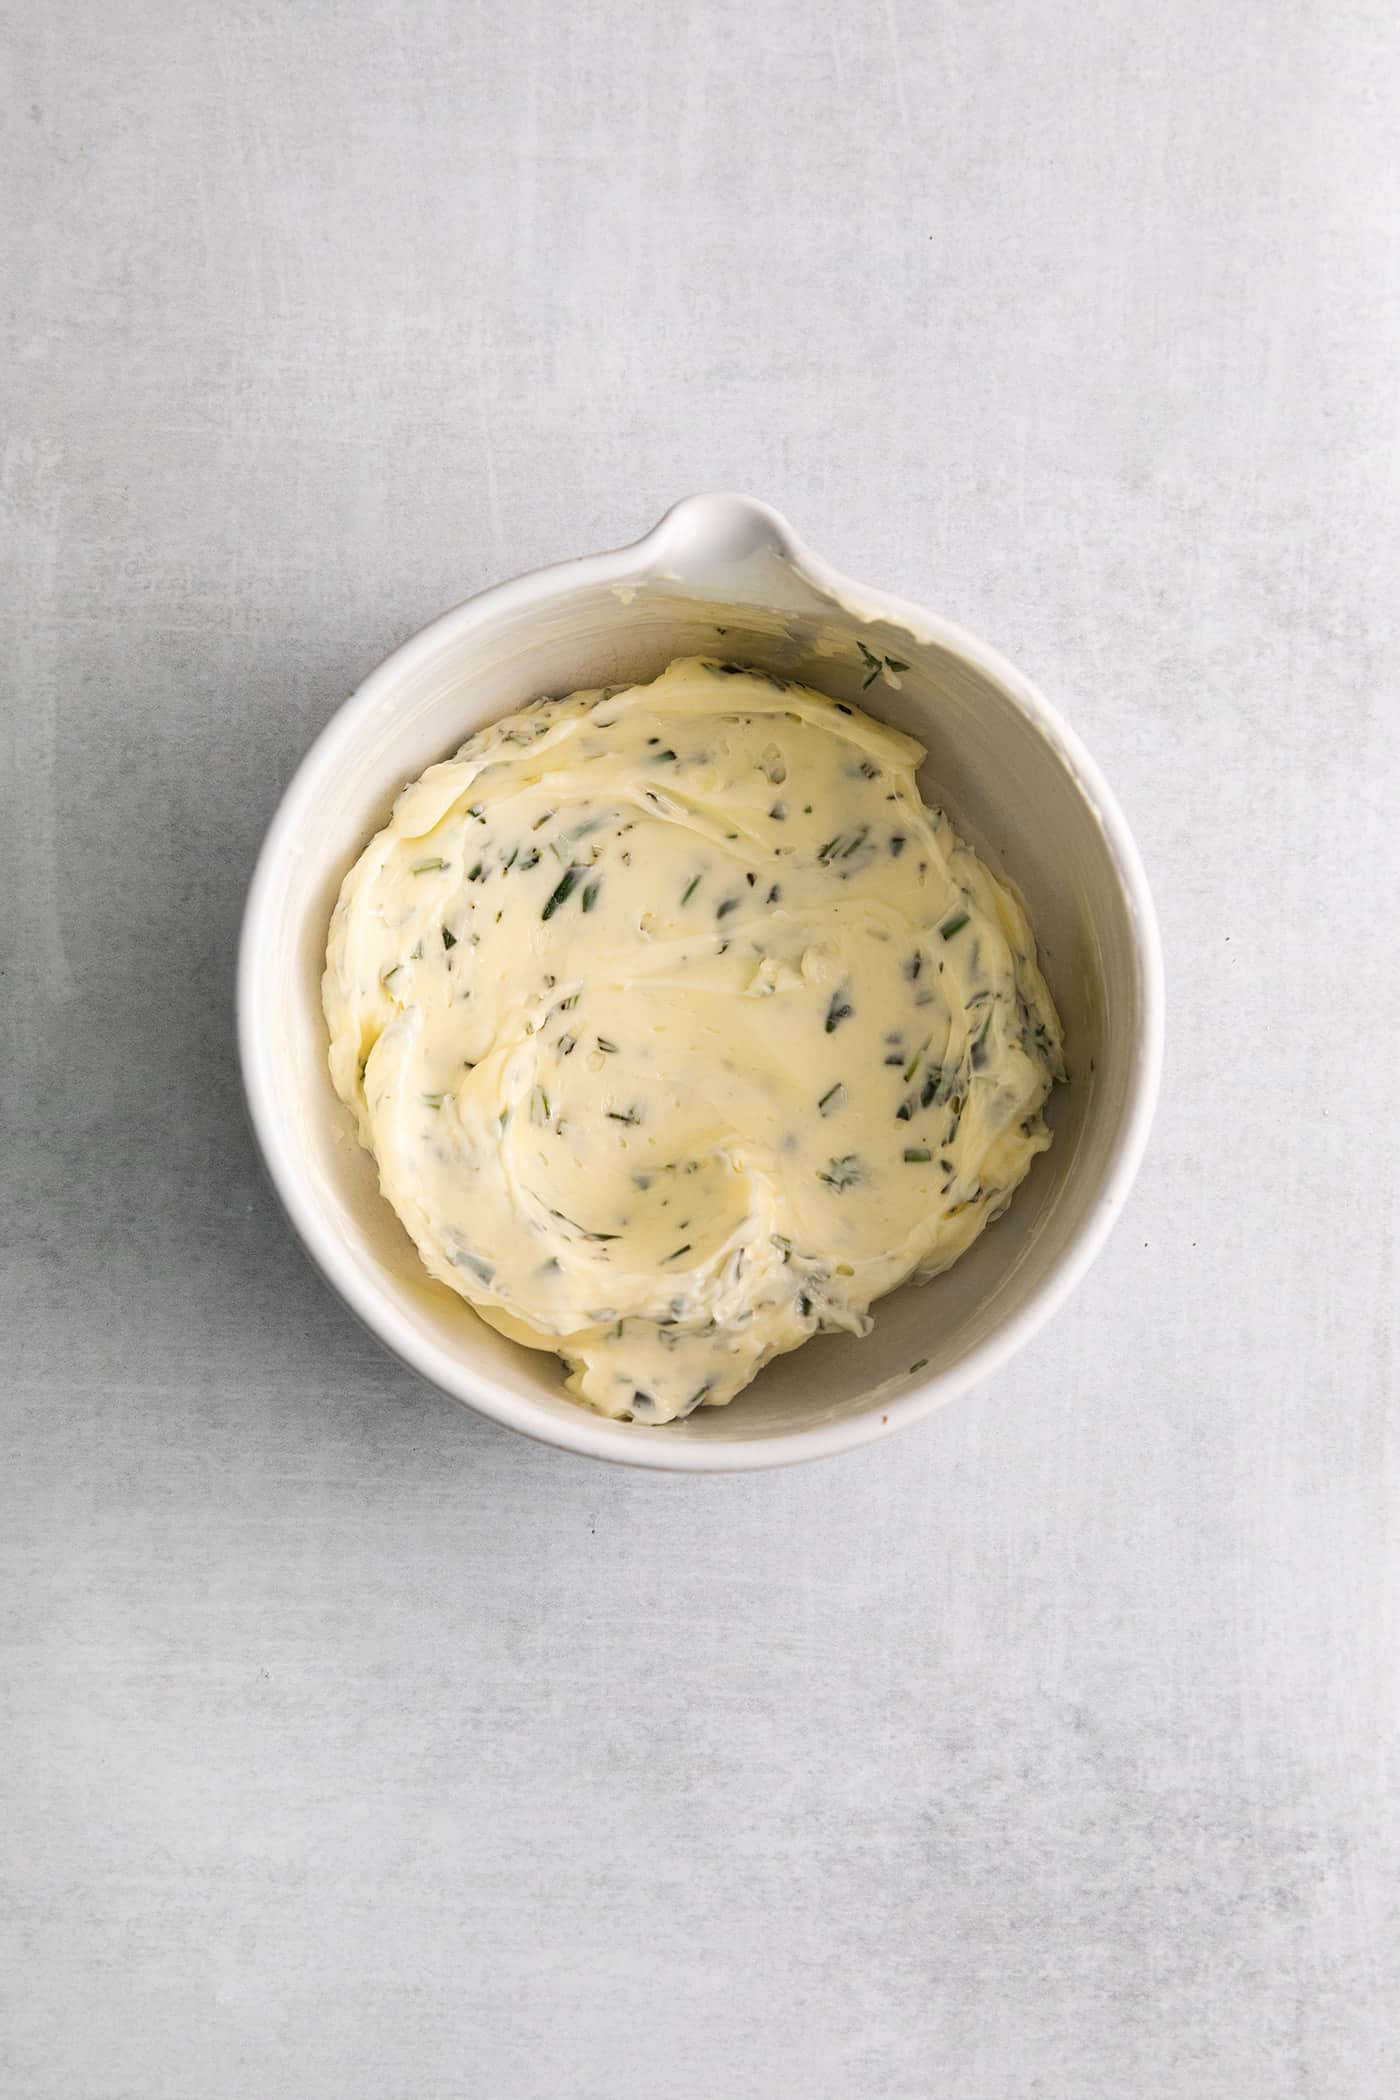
pixel 680 1029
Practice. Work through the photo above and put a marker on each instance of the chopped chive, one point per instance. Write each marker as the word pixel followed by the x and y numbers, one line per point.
pixel 779 812
pixel 783 1246
pixel 919 1364
pixel 839 1010
pixel 590 895
pixel 917 1156
pixel 804 1306
pixel 661 758
pixel 604 1045
pixel 562 891
pixel 730 904
pixel 831 1099
pixel 913 1065
pixel 425 867
pixel 897 843
pixel 689 891
pixel 953 925
pixel 774 895
pixel 479 1268
pixel 624 1115
pixel 474 873
pixel 894 663
pixel 449 938
pixel 843 1173
pixel 391 973
pixel 433 1100
pixel 677 1252
pixel 504 1117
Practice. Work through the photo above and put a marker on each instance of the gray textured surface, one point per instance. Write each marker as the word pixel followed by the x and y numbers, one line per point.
pixel 357 1749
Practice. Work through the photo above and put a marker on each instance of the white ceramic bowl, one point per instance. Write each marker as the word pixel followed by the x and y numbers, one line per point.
pixel 1016 782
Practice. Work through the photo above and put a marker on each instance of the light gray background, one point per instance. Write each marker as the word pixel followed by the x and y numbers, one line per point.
pixel 356 1748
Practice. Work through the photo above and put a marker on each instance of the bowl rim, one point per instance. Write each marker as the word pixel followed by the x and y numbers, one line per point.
pixel 715 520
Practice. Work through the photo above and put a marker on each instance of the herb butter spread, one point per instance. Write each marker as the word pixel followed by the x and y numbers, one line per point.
pixel 681 1030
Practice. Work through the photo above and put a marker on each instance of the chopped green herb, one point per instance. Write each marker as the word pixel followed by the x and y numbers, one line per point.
pixel 432 1100
pixel 917 1156
pixel 730 904
pixel 449 938
pixel 783 1246
pixel 604 1045
pixel 832 1099
pixel 839 1010
pixel 689 891
pixel 953 925
pixel 624 1115
pixel 677 1252
pixel 482 1270
pixel 843 1173
pixel 590 895
pixel 562 891
pixel 920 1364
pixel 425 867
pixel 391 973
pixel 913 1065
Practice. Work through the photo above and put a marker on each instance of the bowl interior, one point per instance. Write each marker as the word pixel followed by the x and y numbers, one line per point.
pixel 1004 779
